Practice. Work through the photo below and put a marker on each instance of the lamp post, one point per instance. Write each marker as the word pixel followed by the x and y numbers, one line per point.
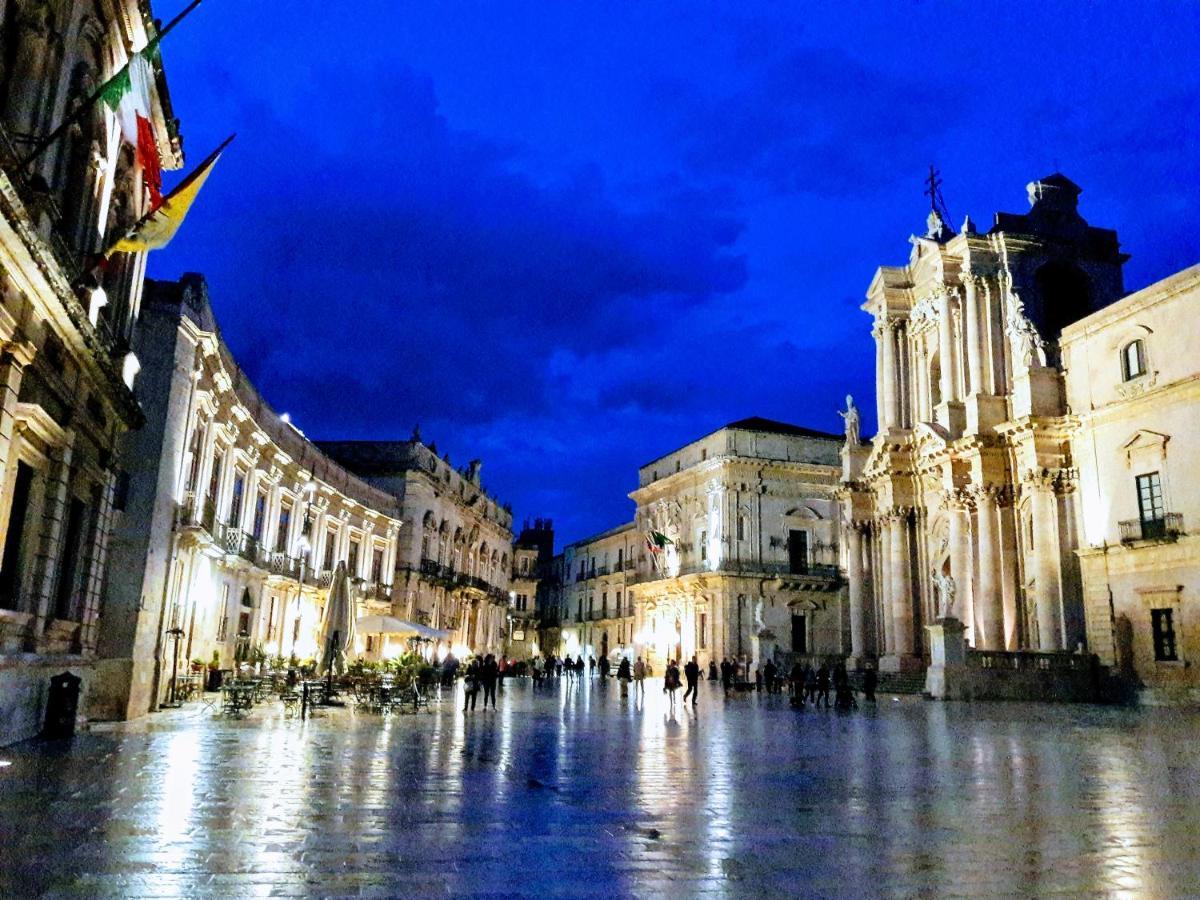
pixel 176 633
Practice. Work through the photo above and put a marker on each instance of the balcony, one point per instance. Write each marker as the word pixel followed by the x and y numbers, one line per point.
pixel 1168 527
pixel 376 592
pixel 812 573
pixel 600 570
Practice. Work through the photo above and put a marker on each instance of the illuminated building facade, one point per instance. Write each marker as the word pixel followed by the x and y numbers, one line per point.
pixel 533 552
pixel 454 557
pixel 1133 387
pixel 231 523
pixel 748 563
pixel 965 501
pixel 66 370
pixel 597 615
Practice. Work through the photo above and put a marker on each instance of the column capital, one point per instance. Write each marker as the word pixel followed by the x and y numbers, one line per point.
pixel 896 514
pixel 20 352
pixel 1058 480
pixel 988 495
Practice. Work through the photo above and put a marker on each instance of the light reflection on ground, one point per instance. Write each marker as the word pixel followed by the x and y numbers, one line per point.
pixel 575 790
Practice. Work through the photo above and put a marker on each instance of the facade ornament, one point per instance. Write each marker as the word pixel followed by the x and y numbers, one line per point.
pixel 946 589
pixel 853 422
pixel 1027 343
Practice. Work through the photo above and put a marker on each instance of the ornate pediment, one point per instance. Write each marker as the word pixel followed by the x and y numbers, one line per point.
pixel 1145 442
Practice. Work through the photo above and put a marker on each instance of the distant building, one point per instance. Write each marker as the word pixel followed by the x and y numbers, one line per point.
pixel 737 556
pixel 596 613
pixel 1133 389
pixel 454 563
pixel 533 553
pixel 66 370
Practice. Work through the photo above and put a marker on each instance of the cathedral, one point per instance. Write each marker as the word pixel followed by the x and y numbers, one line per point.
pixel 962 504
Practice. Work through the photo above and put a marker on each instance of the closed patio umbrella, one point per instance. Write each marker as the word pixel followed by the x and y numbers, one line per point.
pixel 337 625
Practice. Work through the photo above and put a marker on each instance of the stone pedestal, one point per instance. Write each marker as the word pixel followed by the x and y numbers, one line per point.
pixel 951 415
pixel 985 412
pixel 947 649
pixel 763 648
pixel 900 662
pixel 1038 391
pixel 854 459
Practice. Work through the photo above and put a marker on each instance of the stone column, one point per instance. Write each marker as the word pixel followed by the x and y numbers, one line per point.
pixel 960 563
pixel 891 378
pixel 901 573
pixel 1048 575
pixel 883 530
pixel 879 332
pixel 974 333
pixel 946 355
pixel 857 590
pixel 989 603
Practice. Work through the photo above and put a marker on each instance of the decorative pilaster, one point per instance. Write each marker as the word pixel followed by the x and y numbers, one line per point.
pixel 959 513
pixel 857 589
pixel 971 284
pixel 891 376
pixel 989 603
pixel 1043 486
pixel 901 582
pixel 947 358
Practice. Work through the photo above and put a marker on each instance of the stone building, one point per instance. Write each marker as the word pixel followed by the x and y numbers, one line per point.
pixel 533 552
pixel 1133 388
pixel 963 502
pixel 597 611
pixel 747 561
pixel 231 522
pixel 455 546
pixel 66 370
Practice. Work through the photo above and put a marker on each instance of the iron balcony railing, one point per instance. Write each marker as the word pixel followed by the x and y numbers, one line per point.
pixel 814 571
pixel 1167 527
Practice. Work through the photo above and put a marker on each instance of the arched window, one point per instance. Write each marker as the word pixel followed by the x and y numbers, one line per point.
pixel 1133 360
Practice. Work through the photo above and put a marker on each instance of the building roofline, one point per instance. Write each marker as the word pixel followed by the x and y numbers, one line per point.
pixel 754 423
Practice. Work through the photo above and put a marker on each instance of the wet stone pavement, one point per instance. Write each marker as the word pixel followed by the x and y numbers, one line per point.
pixel 574 791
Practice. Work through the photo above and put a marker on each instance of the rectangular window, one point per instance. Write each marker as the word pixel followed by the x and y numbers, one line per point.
pixel 69 564
pixel 260 515
pixel 214 479
pixel 377 565
pixel 352 559
pixel 235 503
pixel 620 557
pixel 244 625
pixel 13 565
pixel 370 643
pixel 330 545
pixel 741 528
pixel 1162 623
pixel 194 467
pixel 704 546
pixel 1134 364
pixel 285 526
pixel 1150 502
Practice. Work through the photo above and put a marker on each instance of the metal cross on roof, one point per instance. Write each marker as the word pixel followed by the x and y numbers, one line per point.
pixel 933 191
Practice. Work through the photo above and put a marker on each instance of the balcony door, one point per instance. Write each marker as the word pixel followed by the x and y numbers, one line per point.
pixel 798 552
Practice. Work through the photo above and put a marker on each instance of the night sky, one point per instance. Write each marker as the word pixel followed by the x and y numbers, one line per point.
pixel 568 237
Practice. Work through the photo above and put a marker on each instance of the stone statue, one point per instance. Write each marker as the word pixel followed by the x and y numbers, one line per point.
pixel 946 590
pixel 759 625
pixel 850 414
pixel 1027 343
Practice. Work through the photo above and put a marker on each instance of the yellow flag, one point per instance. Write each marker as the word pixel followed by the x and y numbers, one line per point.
pixel 156 229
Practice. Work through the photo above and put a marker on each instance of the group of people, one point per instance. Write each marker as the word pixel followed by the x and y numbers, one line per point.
pixel 480 675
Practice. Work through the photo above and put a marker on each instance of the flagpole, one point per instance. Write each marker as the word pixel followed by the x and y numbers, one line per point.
pixel 70 120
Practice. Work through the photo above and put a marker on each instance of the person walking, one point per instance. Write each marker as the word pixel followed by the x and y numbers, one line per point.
pixel 639 677
pixel 712 670
pixel 822 686
pixel 726 675
pixel 870 682
pixel 692 673
pixel 489 672
pixel 604 667
pixel 810 683
pixel 471 684
pixel 671 682
pixel 624 674
pixel 770 675
pixel 796 677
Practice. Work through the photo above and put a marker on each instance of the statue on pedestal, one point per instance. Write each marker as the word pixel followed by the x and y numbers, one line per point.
pixel 850 414
pixel 946 589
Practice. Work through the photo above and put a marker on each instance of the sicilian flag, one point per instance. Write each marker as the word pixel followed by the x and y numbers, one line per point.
pixel 157 227
pixel 128 95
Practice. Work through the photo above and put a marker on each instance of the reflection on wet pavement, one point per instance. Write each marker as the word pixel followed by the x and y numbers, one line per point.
pixel 575 791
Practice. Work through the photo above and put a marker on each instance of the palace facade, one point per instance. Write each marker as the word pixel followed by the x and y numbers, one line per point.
pixel 231 522
pixel 1133 388
pixel 67 371
pixel 597 615
pixel 750 559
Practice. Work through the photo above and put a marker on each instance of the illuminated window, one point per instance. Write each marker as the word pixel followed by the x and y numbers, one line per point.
pixel 1161 621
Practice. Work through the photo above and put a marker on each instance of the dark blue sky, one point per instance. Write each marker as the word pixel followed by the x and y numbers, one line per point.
pixel 568 237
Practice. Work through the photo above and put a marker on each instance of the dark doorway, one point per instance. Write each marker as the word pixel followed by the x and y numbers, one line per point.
pixel 798 552
pixel 12 564
pixel 799 634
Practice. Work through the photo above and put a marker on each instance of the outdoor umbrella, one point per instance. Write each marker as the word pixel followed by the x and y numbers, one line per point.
pixel 382 625
pixel 337 626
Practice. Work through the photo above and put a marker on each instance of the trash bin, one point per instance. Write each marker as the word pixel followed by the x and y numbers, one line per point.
pixel 62 704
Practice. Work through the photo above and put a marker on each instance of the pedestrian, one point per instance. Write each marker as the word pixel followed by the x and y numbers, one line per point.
pixel 671 681
pixel 712 670
pixel 810 683
pixel 471 684
pixel 758 680
pixel 843 694
pixel 692 673
pixel 726 675
pixel 489 672
pixel 591 666
pixel 796 677
pixel 501 672
pixel 770 674
pixel 639 676
pixel 822 685
pixel 624 675
pixel 579 666
pixel 870 682
pixel 604 665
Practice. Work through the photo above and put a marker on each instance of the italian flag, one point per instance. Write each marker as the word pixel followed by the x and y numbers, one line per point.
pixel 656 540
pixel 128 95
